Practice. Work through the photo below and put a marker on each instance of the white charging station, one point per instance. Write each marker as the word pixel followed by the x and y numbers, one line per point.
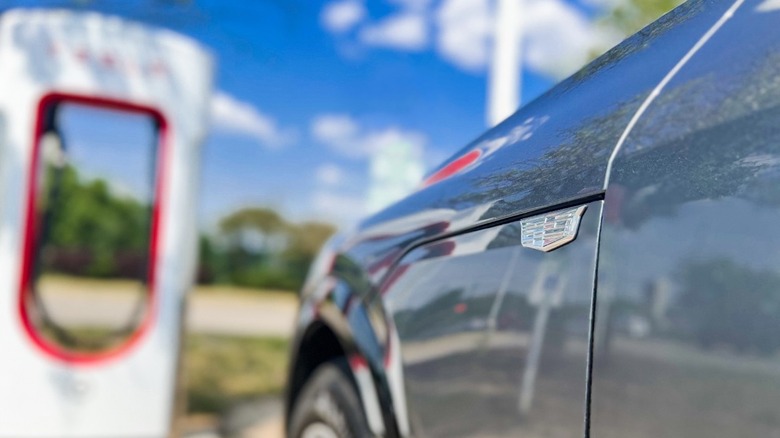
pixel 48 58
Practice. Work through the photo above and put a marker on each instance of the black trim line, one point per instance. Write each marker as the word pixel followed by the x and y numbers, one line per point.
pixel 501 220
pixel 592 332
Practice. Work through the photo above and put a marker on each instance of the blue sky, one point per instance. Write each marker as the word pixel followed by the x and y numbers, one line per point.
pixel 117 146
pixel 307 91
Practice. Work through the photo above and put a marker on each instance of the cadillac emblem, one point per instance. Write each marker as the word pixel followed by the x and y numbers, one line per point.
pixel 552 230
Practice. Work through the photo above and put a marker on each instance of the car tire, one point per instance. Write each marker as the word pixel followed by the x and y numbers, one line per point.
pixel 329 406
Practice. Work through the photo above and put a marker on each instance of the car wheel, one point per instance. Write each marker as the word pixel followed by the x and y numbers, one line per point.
pixel 329 406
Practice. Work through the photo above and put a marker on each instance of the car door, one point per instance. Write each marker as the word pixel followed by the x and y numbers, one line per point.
pixel 494 334
pixel 686 334
pixel 97 223
pixel 491 334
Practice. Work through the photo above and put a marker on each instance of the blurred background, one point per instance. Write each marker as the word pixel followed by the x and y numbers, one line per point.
pixel 323 112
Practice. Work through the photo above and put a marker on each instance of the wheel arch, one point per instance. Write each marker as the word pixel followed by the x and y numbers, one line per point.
pixel 321 341
pixel 305 359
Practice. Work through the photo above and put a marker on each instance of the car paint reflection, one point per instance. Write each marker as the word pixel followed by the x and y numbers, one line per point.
pixel 490 329
pixel 563 163
pixel 688 300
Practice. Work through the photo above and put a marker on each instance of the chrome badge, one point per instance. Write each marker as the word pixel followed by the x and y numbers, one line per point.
pixel 552 230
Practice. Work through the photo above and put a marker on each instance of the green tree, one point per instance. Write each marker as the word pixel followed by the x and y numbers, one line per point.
pixel 262 219
pixel 731 304
pixel 308 237
pixel 629 16
pixel 305 241
pixel 280 261
pixel 91 231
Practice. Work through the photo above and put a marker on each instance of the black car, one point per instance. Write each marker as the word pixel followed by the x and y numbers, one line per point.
pixel 605 263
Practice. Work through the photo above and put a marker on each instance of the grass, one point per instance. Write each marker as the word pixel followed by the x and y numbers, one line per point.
pixel 219 370
pixel 222 370
pixel 84 339
pixel 237 291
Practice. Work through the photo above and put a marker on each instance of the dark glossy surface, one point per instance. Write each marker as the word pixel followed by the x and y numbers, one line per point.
pixel 672 188
pixel 688 307
pixel 554 149
pixel 494 336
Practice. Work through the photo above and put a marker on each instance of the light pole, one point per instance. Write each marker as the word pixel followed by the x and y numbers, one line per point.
pixel 505 75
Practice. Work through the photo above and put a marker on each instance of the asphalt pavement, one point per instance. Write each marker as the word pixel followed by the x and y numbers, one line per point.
pixel 211 313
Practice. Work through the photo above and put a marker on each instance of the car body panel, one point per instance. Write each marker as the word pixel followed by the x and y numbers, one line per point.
pixel 495 332
pixel 553 153
pixel 557 147
pixel 554 150
pixel 688 301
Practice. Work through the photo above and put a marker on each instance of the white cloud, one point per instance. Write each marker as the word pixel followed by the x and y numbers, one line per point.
pixel 339 132
pixel 330 174
pixel 768 6
pixel 387 138
pixel 605 3
pixel 464 28
pixel 231 115
pixel 558 37
pixel 403 31
pixel 340 207
pixel 341 16
pixel 397 160
pixel 343 135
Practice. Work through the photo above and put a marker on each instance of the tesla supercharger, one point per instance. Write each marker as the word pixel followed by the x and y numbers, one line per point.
pixel 65 76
